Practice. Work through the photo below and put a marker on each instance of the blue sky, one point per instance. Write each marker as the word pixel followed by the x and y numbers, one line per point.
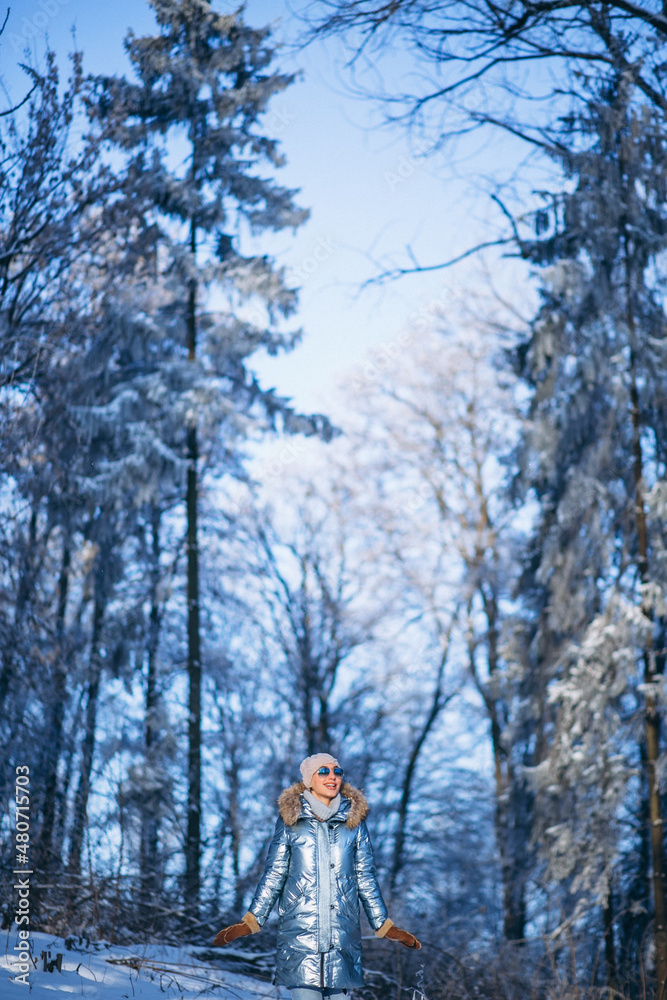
pixel 369 192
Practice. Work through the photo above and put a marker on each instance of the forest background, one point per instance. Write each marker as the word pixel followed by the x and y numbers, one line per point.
pixel 450 571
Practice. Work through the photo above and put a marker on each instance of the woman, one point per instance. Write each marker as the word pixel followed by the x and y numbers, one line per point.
pixel 320 864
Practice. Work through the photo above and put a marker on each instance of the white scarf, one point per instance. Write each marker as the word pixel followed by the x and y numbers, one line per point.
pixel 321 811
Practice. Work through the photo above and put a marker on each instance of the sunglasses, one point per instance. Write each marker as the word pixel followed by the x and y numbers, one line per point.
pixel 338 771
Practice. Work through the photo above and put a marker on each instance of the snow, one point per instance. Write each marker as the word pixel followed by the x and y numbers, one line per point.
pixel 113 972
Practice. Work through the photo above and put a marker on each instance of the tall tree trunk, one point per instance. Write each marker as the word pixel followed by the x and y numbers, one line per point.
pixel 68 756
pixel 24 590
pixel 323 723
pixel 311 719
pixel 509 821
pixel 514 911
pixel 513 907
pixel 150 826
pixel 652 714
pixel 314 708
pixel 57 704
pixel 516 832
pixel 193 833
pixel 634 919
pixel 88 747
pixel 438 702
pixel 609 946
pixel 235 828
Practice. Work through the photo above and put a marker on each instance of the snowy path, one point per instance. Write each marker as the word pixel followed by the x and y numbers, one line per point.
pixel 112 972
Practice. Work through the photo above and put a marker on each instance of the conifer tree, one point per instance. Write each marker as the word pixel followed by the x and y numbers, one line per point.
pixel 48 239
pixel 592 451
pixel 190 126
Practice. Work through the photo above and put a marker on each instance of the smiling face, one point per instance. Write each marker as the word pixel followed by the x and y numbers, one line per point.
pixel 326 787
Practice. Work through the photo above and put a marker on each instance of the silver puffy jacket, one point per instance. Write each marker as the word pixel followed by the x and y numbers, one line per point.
pixel 318 872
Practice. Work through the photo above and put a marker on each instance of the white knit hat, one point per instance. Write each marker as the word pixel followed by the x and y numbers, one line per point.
pixel 311 764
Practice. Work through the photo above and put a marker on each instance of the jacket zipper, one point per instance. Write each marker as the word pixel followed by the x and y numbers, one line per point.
pixel 322 969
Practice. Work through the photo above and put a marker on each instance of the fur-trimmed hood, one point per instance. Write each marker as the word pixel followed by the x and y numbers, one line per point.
pixel 290 804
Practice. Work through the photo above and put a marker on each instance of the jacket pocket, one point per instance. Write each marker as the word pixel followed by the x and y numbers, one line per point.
pixel 347 890
pixel 290 898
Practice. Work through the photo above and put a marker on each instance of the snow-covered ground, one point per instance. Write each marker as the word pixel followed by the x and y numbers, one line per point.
pixel 113 972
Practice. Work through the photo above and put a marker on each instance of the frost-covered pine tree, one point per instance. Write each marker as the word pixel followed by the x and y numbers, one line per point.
pixel 190 126
pixel 593 453
pixel 48 242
